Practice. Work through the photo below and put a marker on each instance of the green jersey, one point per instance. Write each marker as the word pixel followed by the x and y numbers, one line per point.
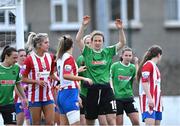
pixel 80 62
pixel 122 78
pixel 98 63
pixel 9 76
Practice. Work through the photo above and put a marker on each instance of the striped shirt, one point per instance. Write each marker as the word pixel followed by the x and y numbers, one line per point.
pixel 150 74
pixel 67 65
pixel 39 68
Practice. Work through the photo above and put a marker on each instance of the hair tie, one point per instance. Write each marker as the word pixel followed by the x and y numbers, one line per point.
pixel 64 37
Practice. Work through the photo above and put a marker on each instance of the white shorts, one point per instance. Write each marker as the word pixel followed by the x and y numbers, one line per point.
pixel 73 116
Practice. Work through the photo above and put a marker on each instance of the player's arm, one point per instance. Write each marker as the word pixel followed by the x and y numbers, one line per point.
pixel 79 36
pixel 145 86
pixel 122 37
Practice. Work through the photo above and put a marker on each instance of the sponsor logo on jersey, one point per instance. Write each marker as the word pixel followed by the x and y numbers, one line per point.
pixel 120 77
pixel 98 62
pixel 7 81
pixel 44 74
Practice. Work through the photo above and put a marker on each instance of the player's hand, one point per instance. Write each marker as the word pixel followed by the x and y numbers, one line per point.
pixel 90 82
pixel 42 83
pixel 118 23
pixel 136 60
pixel 86 20
pixel 25 103
pixel 151 105
pixel 82 69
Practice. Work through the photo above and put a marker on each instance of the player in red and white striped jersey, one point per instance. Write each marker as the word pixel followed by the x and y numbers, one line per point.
pixel 150 86
pixel 67 69
pixel 39 69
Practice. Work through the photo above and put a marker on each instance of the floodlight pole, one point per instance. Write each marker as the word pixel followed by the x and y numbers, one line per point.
pixel 19 24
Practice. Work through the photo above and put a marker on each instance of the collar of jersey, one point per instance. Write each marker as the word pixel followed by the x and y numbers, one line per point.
pixel 97 51
pixel 124 64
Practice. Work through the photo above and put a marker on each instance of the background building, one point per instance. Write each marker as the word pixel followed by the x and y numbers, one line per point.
pixel 146 22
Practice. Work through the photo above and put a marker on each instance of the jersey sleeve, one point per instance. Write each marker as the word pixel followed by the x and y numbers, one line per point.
pixel 86 51
pixel 112 50
pixel 134 70
pixel 27 66
pixel 18 79
pixel 68 66
pixel 53 65
pixel 147 69
pixel 112 71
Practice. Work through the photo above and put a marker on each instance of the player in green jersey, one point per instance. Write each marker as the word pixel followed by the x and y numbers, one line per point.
pixel 81 64
pixel 9 78
pixel 123 73
pixel 100 97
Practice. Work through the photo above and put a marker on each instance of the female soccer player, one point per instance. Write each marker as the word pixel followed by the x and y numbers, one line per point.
pixel 149 78
pixel 68 74
pixel 9 78
pixel 39 69
pixel 100 97
pixel 123 74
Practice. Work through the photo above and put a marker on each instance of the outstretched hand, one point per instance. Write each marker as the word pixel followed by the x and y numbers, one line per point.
pixel 86 20
pixel 119 23
pixel 82 69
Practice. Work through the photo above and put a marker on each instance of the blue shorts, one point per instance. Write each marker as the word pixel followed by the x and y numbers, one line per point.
pixel 18 108
pixel 155 115
pixel 67 100
pixel 40 103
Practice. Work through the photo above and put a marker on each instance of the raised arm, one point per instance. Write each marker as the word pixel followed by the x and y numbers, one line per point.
pixel 79 36
pixel 122 37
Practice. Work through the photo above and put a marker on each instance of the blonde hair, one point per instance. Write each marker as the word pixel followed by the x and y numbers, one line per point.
pixel 35 39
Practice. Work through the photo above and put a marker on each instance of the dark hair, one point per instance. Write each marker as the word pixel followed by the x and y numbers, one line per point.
pixel 65 43
pixel 152 52
pixel 123 50
pixel 19 50
pixel 94 33
pixel 7 51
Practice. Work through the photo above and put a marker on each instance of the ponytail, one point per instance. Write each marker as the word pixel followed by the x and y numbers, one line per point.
pixel 65 43
pixel 29 44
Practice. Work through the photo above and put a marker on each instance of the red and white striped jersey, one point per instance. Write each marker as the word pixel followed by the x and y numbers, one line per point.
pixel 150 74
pixel 67 65
pixel 39 68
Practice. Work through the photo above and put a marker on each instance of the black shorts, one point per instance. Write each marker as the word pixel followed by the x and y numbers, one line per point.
pixel 126 105
pixel 8 114
pixel 100 101
pixel 82 109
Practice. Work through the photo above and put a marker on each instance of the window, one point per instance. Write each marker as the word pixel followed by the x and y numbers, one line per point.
pixel 66 14
pixel 172 11
pixel 126 10
pixel 7 20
